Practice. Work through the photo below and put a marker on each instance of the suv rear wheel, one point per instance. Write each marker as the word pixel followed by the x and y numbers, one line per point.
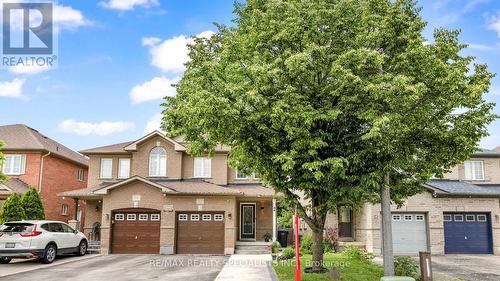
pixel 82 248
pixel 5 260
pixel 50 253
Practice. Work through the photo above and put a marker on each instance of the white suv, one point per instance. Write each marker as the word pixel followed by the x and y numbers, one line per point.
pixel 43 239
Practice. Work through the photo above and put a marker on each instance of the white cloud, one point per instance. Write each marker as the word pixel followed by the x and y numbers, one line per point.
pixel 494 23
pixel 155 89
pixel 23 69
pixel 481 47
pixel 101 128
pixel 153 124
pixel 171 54
pixel 66 17
pixel 12 89
pixel 126 5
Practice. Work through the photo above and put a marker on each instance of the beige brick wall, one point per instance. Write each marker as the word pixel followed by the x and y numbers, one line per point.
pixel 368 229
pixel 94 179
pixel 491 171
pixel 152 198
pixel 140 164
pixel 219 170
pixel 93 214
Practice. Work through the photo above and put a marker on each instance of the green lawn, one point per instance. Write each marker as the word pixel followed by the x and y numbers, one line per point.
pixel 351 270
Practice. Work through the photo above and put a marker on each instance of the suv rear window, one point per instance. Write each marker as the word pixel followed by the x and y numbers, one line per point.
pixel 17 227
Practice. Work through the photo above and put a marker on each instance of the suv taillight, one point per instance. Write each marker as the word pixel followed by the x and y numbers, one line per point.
pixel 33 233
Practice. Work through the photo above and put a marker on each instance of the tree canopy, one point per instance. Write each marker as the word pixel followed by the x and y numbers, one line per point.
pixel 12 209
pixel 325 98
pixel 2 159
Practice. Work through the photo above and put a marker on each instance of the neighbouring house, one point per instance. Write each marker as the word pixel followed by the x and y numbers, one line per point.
pixel 150 196
pixel 12 185
pixel 458 214
pixel 32 159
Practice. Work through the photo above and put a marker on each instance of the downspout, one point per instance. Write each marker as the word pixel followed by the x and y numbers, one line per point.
pixel 41 172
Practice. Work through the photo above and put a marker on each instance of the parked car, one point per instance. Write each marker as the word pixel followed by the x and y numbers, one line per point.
pixel 42 239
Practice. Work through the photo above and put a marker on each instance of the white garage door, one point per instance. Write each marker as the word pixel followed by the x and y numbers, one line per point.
pixel 409 233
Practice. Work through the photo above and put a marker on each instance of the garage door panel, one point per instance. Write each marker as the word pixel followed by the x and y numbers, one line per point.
pixel 472 235
pixel 409 231
pixel 134 236
pixel 199 236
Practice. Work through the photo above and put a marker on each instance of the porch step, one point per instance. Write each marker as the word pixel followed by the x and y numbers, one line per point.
pixel 252 248
pixel 94 247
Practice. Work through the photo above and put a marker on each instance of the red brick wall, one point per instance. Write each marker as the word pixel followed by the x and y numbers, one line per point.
pixel 60 175
pixel 32 170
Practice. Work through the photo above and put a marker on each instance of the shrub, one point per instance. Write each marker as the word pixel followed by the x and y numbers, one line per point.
pixel 355 253
pixel 306 243
pixel 405 266
pixel 275 247
pixel 32 205
pixel 331 239
pixel 12 209
pixel 288 253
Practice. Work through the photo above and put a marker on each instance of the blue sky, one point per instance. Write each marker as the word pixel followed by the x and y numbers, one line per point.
pixel 118 57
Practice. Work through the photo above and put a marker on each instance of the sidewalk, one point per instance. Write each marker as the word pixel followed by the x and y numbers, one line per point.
pixel 248 268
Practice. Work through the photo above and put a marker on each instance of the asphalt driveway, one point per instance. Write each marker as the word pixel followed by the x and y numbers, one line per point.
pixel 127 267
pixel 466 267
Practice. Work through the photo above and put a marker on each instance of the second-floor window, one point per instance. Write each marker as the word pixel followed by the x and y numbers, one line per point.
pixel 158 162
pixel 202 167
pixel 123 168
pixel 106 168
pixel 474 170
pixel 14 164
pixel 79 175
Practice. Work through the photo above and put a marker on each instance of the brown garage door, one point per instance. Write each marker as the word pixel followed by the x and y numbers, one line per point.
pixel 200 232
pixel 136 231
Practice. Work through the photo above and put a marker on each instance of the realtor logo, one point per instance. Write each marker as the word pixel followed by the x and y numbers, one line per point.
pixel 28 37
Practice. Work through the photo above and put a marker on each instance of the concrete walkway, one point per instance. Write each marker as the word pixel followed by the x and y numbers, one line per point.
pixel 248 268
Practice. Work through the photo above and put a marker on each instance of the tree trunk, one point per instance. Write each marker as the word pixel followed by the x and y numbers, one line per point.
pixel 388 254
pixel 317 250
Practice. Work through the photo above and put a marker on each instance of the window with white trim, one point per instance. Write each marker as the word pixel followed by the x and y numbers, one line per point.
pixel 80 174
pixel 419 217
pixel 218 217
pixel 195 217
pixel 123 168
pixel 155 217
pixel 64 209
pixel 183 217
pixel 470 218
pixel 474 170
pixel 206 217
pixel 396 217
pixel 106 168
pixel 458 217
pixel 119 217
pixel 240 175
pixel 131 217
pixel 14 164
pixel 481 218
pixel 256 176
pixel 202 167
pixel 158 162
pixel 143 217
pixel 447 217
pixel 408 217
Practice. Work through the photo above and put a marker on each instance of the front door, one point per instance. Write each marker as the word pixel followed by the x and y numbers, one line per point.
pixel 247 221
pixel 345 222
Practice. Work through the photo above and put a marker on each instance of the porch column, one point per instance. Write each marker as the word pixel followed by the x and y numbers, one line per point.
pixel 275 212
pixel 76 209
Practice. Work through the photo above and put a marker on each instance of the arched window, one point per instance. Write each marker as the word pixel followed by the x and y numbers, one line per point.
pixel 158 162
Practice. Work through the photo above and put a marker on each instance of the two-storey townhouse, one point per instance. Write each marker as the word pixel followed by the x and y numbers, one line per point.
pixel 150 196
pixel 32 159
pixel 457 214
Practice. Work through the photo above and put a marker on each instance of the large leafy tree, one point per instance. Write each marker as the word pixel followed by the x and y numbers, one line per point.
pixel 332 101
pixel 32 205
pixel 12 209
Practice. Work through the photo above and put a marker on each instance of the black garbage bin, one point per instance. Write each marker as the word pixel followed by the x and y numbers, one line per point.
pixel 283 237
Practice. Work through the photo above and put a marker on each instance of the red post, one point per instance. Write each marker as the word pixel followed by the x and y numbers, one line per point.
pixel 297 253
